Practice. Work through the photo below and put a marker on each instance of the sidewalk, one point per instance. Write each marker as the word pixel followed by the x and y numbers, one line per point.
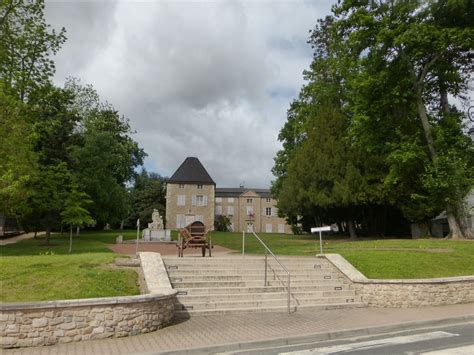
pixel 207 331
pixel 18 238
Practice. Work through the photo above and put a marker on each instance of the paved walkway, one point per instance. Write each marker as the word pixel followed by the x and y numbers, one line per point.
pixel 204 331
pixel 17 238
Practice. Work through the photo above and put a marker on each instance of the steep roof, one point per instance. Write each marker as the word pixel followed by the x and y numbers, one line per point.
pixel 191 171
pixel 237 191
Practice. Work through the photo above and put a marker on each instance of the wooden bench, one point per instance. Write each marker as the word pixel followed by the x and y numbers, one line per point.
pixel 194 235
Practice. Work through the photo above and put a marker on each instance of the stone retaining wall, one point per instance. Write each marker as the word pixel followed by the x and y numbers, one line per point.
pixel 406 293
pixel 51 322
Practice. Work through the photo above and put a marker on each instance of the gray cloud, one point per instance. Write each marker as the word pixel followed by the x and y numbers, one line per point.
pixel 205 79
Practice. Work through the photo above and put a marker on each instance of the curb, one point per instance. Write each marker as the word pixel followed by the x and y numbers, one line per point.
pixel 317 337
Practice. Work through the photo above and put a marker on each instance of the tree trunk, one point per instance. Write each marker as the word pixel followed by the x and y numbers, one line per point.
pixel 420 106
pixel 77 231
pixel 455 231
pixel 121 224
pixel 35 236
pixel 48 234
pixel 70 238
pixel 352 232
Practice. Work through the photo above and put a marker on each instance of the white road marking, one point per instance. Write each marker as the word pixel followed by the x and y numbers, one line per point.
pixel 462 350
pixel 374 343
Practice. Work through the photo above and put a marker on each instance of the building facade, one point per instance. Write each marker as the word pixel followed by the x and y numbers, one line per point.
pixel 250 209
pixel 192 195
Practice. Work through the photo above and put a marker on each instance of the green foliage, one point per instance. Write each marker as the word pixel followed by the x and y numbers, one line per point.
pixel 388 69
pixel 26 46
pixel 75 212
pixel 147 193
pixel 18 159
pixel 222 223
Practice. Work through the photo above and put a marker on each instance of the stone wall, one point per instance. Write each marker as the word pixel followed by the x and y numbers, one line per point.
pixel 406 293
pixel 51 322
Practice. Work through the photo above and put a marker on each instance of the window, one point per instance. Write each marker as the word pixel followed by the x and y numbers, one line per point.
pixel 268 228
pixel 218 199
pixel 230 210
pixel 199 186
pixel 250 227
pixel 249 200
pixel 281 228
pixel 268 211
pixel 181 186
pixel 181 200
pixel 250 211
pixel 180 221
pixel 269 200
pixel 230 200
pixel 199 200
pixel 218 210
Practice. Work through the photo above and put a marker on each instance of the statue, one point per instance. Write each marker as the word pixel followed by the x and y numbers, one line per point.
pixel 157 223
pixel 155 230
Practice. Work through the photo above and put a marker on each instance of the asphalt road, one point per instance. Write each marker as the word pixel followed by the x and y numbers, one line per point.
pixel 448 340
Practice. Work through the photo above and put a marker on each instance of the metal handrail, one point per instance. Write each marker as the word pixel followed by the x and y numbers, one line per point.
pixel 267 250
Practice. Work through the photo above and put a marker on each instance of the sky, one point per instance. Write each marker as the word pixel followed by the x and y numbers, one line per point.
pixel 209 79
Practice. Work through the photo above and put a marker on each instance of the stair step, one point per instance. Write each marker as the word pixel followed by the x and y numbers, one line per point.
pixel 254 283
pixel 263 303
pixel 259 289
pixel 283 309
pixel 251 277
pixel 263 295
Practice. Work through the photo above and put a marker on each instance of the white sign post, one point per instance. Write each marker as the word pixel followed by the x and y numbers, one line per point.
pixel 138 235
pixel 320 230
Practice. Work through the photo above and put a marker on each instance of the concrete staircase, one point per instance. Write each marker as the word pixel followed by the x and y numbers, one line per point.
pixel 235 284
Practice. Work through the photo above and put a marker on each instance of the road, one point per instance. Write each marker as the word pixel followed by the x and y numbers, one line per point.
pixel 448 340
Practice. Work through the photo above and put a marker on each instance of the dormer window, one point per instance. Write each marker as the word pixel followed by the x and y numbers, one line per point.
pixel 199 186
pixel 181 186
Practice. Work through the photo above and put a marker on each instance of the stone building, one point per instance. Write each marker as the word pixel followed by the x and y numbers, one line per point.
pixel 192 195
pixel 250 209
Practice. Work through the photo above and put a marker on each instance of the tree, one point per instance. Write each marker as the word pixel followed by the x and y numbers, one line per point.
pixel 408 49
pixel 26 46
pixel 18 161
pixel 222 223
pixel 388 68
pixel 75 212
pixel 147 193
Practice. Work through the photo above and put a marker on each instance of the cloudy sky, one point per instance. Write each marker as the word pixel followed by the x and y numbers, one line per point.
pixel 195 78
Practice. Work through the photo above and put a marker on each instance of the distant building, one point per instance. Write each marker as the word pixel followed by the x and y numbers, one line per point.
pixel 192 195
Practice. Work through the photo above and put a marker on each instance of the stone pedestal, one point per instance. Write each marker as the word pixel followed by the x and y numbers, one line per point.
pixel 157 235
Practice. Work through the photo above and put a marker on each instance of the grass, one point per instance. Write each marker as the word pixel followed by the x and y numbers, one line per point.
pixel 384 259
pixel 32 271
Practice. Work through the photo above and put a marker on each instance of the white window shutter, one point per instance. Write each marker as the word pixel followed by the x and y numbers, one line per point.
pixel 194 200
pixel 204 202
pixel 275 211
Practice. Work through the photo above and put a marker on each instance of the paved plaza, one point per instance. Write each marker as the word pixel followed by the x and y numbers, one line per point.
pixel 208 331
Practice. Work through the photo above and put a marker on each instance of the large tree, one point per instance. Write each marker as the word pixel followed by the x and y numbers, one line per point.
pixel 27 44
pixel 390 67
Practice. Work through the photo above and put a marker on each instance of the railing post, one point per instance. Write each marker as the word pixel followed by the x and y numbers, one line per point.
pixel 289 286
pixel 266 254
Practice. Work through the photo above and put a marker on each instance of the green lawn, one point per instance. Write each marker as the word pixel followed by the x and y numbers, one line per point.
pixel 31 271
pixel 387 258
